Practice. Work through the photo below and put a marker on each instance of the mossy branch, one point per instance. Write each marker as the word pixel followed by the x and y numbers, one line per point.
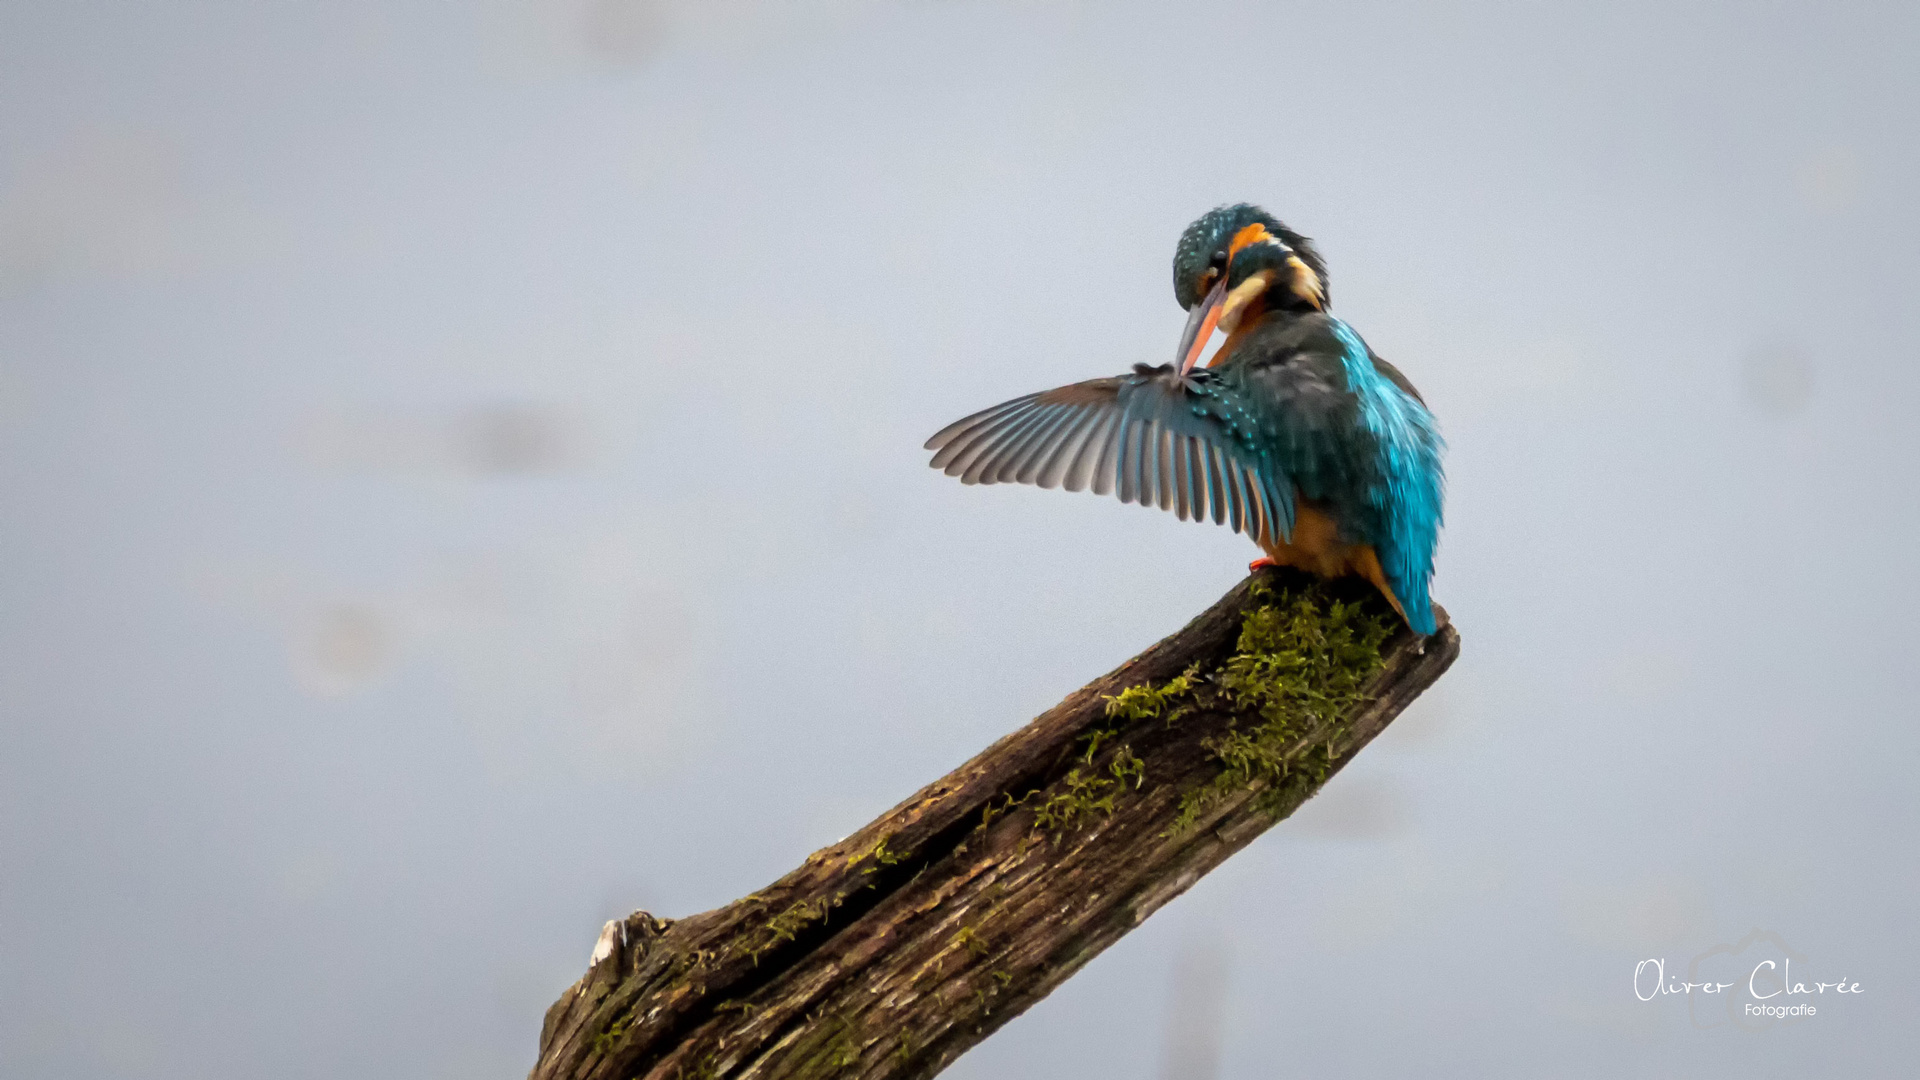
pixel 890 953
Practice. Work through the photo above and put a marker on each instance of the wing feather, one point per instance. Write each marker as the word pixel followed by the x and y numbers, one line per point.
pixel 967 446
pixel 1147 479
pixel 1169 499
pixel 1106 472
pixel 1049 468
pixel 1183 491
pixel 1086 460
pixel 1216 488
pixel 1197 476
pixel 968 438
pixel 1260 525
pixel 1010 461
pixel 944 439
pixel 1127 465
pixel 1151 438
pixel 1002 438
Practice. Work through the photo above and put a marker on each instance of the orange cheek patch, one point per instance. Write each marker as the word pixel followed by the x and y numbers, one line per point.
pixel 1252 234
pixel 1306 283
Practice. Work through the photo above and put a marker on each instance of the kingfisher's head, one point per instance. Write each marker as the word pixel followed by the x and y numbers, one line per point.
pixel 1236 260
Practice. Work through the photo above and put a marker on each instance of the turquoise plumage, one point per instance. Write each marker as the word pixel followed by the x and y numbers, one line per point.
pixel 1406 484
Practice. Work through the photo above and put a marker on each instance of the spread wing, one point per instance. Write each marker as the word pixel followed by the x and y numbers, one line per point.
pixel 1151 437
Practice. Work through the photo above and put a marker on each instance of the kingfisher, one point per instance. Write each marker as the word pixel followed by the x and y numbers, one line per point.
pixel 1295 433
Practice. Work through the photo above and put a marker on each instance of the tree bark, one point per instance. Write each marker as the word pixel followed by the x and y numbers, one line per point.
pixel 890 953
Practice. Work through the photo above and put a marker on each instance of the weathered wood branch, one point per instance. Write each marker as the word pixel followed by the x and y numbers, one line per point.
pixel 892 952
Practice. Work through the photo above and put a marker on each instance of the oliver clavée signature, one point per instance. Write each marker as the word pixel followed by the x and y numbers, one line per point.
pixel 1650 981
pixel 1713 984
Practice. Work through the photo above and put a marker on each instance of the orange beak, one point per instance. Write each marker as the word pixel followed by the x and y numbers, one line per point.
pixel 1206 314
pixel 1200 323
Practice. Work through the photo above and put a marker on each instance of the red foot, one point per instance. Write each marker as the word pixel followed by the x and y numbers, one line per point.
pixel 1260 564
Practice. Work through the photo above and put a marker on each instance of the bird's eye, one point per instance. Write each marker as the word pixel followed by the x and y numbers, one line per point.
pixel 1218 262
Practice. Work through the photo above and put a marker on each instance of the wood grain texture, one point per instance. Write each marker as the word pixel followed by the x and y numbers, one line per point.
pixel 889 954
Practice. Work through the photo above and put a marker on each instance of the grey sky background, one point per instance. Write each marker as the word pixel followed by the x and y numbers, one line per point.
pixel 462 481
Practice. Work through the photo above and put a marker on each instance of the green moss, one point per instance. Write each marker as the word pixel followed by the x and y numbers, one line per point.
pixel 878 856
pixel 1088 789
pixel 904 1051
pixel 969 939
pixel 1128 764
pixel 603 1043
pixel 1147 702
pixel 1086 793
pixel 1300 666
pixel 784 926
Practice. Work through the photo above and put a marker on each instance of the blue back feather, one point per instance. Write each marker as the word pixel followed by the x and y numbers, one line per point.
pixel 1408 481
